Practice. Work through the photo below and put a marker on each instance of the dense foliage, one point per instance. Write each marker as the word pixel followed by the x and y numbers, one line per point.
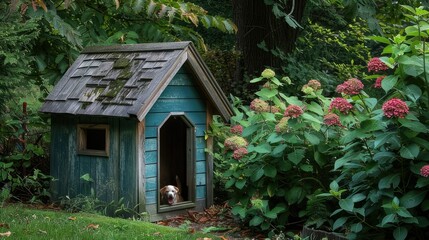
pixel 38 42
pixel 352 163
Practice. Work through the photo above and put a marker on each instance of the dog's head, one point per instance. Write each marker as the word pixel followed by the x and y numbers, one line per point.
pixel 170 193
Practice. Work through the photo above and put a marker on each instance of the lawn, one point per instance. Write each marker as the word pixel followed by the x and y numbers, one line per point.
pixel 23 222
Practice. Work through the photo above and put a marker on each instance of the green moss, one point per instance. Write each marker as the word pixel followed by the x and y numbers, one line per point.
pixel 121 63
pixel 114 87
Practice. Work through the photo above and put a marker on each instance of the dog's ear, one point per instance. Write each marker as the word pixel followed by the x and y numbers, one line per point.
pixel 162 190
pixel 177 189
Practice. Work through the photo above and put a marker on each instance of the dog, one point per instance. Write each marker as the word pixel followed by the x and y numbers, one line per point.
pixel 170 194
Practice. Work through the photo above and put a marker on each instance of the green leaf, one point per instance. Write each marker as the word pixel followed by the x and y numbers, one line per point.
pixel 278 150
pixel 358 197
pixel 413 92
pixel 270 171
pixel 255 177
pixel 267 93
pixel 274 138
pixel 416 126
pixel 404 213
pixel 296 156
pixel 400 233
pixel 313 139
pixel 410 151
pixel 370 102
pixel 391 180
pixel 229 183
pixel 370 125
pixel 334 186
pixel 310 118
pixel 339 222
pixel 347 204
pixel 306 168
pixel 239 210
pixel 412 199
pixel 256 221
pixel 263 148
pixel 316 108
pixel 357 227
pixel 389 82
pixel 247 131
pixel 295 195
pixel 381 139
pixel 87 177
pixel 413 65
pixel 240 183
pixel 380 39
pixel 390 218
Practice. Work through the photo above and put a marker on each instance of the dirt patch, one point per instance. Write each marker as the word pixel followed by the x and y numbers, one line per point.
pixel 217 220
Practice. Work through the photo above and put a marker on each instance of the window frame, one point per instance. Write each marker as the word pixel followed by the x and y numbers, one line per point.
pixel 82 140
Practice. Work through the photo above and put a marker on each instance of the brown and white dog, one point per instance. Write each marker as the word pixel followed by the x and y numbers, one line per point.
pixel 170 194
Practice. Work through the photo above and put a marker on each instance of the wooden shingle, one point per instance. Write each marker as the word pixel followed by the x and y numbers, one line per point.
pixel 126 80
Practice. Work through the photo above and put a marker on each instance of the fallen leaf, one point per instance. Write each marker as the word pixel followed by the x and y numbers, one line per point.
pixel 6 234
pixel 92 226
pixel 5 225
pixel 223 238
pixel 72 218
pixel 203 219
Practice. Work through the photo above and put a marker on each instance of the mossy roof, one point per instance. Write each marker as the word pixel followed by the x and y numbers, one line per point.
pixel 126 80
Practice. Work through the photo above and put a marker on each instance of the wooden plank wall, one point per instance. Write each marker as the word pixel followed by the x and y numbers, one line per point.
pixel 181 95
pixel 114 176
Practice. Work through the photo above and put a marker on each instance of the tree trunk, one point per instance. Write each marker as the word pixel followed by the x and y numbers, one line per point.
pixel 256 23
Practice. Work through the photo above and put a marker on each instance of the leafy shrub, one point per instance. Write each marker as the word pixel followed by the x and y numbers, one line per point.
pixel 361 162
pixel 278 160
pixel 382 171
pixel 23 158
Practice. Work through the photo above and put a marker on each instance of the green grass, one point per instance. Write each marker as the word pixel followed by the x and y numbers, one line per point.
pixel 28 223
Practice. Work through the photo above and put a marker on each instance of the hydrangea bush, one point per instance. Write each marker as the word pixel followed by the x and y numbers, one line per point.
pixel 352 163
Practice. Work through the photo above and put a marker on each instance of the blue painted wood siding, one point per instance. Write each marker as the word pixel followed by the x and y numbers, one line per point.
pixel 180 96
pixel 114 176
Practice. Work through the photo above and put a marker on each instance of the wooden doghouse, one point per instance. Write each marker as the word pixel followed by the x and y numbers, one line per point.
pixel 134 117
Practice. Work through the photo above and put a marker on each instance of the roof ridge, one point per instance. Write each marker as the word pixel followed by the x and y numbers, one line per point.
pixel 140 47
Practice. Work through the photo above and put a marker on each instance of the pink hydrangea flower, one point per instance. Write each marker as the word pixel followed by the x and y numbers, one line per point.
pixel 377 83
pixel 237 129
pixel 293 111
pixel 395 108
pixel 259 105
pixel 332 119
pixel 352 86
pixel 314 84
pixel 235 142
pixel 376 65
pixel 239 153
pixel 424 171
pixel 340 104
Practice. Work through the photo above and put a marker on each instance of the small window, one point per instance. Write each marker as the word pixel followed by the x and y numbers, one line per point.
pixel 93 139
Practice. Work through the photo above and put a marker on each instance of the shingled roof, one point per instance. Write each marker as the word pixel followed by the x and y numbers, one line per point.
pixel 126 80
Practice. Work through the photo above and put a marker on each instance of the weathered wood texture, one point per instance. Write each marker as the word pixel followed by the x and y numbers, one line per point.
pixel 126 80
pixel 114 175
pixel 181 95
pixel 132 89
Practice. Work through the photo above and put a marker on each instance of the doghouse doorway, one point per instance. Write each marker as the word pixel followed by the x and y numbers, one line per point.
pixel 177 158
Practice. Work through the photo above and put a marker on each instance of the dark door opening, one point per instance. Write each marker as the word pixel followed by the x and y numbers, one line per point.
pixel 176 156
